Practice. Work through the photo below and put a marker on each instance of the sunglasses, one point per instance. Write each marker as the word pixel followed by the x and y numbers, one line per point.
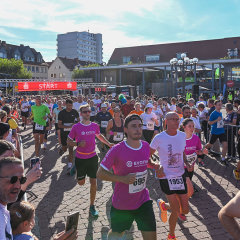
pixel 14 179
pixel 86 111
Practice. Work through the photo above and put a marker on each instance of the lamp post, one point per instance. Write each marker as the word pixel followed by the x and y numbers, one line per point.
pixel 182 65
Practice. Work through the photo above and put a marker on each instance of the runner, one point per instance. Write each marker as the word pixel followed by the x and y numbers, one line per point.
pixel 115 127
pixel 217 130
pixel 66 119
pixel 149 119
pixel 83 135
pixel 137 109
pixel 102 119
pixel 40 112
pixel 129 160
pixel 56 111
pixel 172 177
pixel 25 106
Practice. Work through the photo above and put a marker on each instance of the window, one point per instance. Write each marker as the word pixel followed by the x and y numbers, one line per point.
pixel 51 75
pixel 3 55
pixel 62 75
pixel 126 59
pixel 55 75
pixel 153 58
pixel 37 69
pixel 33 69
pixel 29 68
pixel 16 56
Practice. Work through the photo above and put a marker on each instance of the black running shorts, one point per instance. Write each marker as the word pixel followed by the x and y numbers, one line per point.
pixel 165 187
pixel 86 167
pixel 122 220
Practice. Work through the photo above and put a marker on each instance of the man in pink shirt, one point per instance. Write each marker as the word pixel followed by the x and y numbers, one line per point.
pixel 82 135
pixel 129 160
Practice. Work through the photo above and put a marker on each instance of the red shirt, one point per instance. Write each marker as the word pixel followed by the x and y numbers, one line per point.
pixel 126 109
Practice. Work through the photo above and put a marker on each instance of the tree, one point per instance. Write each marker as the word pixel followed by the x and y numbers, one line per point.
pixel 14 69
pixel 77 73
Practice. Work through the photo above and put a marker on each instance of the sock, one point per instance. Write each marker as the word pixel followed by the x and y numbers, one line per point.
pixel 69 165
pixel 45 144
pixel 171 236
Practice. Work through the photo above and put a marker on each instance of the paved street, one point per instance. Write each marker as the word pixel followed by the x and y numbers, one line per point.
pixel 58 195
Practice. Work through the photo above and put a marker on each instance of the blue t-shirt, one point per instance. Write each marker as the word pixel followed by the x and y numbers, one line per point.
pixel 54 106
pixel 22 237
pixel 218 127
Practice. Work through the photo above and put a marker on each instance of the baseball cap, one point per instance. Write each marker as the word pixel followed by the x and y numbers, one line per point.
pixel 149 105
pixel 103 105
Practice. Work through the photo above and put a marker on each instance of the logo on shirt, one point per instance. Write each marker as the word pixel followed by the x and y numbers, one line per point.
pixel 140 163
pixel 83 133
pixel 129 164
pixel 88 133
pixel 173 159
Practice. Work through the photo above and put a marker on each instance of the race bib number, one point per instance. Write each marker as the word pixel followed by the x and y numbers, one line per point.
pixel 118 137
pixel 38 127
pixel 176 183
pixel 140 182
pixel 104 124
pixel 191 158
pixel 220 124
pixel 150 126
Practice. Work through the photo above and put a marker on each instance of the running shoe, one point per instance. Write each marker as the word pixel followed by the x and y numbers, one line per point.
pixel 73 171
pixel 69 171
pixel 171 237
pixel 236 174
pixel 61 152
pixel 93 211
pixel 201 164
pixel 162 210
pixel 182 217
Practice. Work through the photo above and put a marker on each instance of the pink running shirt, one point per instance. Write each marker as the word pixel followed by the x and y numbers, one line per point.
pixel 124 160
pixel 80 132
pixel 192 144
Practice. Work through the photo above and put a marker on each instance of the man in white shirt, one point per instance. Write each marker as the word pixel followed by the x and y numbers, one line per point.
pixel 79 103
pixel 187 114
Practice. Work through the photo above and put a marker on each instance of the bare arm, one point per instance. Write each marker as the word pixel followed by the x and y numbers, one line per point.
pixel 228 214
pixel 109 126
pixel 104 140
pixel 108 176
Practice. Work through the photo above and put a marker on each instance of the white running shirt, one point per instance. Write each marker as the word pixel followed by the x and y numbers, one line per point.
pixel 170 150
pixel 148 124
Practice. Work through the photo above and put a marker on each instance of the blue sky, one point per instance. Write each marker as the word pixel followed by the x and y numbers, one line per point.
pixel 122 23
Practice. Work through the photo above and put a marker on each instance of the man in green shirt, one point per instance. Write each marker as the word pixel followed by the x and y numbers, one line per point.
pixel 40 114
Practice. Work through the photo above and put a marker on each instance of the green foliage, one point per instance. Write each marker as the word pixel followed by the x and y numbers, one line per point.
pixel 14 68
pixel 84 74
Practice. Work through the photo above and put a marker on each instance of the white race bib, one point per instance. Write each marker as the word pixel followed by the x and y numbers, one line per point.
pixel 150 126
pixel 38 127
pixel 140 182
pixel 220 124
pixel 191 158
pixel 176 183
pixel 67 129
pixel 104 124
pixel 118 137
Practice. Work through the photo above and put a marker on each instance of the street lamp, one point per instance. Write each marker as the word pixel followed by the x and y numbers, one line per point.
pixel 182 65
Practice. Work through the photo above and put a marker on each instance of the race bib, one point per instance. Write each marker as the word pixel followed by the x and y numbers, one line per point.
pixel 67 129
pixel 150 126
pixel 38 127
pixel 191 158
pixel 104 124
pixel 118 137
pixel 176 183
pixel 140 182
pixel 220 124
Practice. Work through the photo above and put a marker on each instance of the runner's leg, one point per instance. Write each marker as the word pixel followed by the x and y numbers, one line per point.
pixel 149 235
pixel 175 210
pixel 93 190
pixel 37 143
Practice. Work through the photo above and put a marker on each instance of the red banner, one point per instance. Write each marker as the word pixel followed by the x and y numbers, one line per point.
pixel 46 86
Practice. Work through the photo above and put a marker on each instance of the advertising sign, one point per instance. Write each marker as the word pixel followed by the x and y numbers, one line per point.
pixel 46 86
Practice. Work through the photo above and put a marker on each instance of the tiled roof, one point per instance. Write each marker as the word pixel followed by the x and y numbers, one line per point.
pixel 72 63
pixel 206 49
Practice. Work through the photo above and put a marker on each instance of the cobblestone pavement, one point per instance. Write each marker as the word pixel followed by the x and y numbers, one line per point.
pixel 58 195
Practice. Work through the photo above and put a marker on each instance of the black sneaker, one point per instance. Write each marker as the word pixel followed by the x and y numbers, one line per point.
pixel 225 162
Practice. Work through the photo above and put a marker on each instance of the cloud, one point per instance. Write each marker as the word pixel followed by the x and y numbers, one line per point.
pixel 6 33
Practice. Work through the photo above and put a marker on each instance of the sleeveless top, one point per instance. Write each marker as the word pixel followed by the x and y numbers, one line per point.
pixel 120 132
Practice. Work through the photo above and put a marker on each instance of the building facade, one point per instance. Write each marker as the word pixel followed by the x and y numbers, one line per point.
pixel 82 45
pixel 61 69
pixel 32 60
